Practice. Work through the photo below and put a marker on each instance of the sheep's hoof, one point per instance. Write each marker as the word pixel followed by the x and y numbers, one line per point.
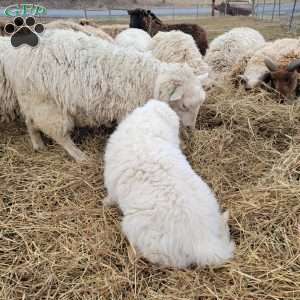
pixel 81 157
pixel 39 147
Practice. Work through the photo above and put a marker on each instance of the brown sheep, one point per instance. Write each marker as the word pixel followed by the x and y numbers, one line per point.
pixel 284 76
pixel 149 22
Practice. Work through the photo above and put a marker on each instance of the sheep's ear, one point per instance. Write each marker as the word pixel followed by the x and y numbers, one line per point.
pixel 266 77
pixel 294 65
pixel 225 216
pixel 203 77
pixel 177 94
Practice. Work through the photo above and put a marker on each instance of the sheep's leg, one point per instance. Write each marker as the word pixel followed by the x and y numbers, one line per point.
pixel 47 117
pixel 67 143
pixel 35 136
pixel 108 201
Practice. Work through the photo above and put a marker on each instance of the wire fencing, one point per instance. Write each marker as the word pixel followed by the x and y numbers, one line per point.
pixel 286 12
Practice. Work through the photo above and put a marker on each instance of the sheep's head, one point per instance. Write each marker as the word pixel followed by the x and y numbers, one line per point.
pixel 84 22
pixel 253 80
pixel 138 18
pixel 153 17
pixel 184 95
pixel 284 79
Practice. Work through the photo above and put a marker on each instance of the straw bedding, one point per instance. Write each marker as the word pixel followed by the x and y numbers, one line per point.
pixel 58 242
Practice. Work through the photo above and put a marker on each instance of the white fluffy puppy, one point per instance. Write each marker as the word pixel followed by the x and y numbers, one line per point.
pixel 171 216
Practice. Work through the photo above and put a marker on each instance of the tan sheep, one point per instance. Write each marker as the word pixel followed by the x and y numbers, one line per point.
pixel 89 30
pixel 112 30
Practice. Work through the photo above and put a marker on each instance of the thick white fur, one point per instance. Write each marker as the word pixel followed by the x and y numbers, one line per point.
pixel 9 107
pixel 72 78
pixel 178 47
pixel 256 68
pixel 89 30
pixel 225 50
pixel 171 216
pixel 133 38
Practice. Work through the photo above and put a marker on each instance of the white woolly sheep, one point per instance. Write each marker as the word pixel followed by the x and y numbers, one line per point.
pixel 261 67
pixel 178 47
pixel 225 50
pixel 89 30
pixel 133 38
pixel 171 216
pixel 72 78
pixel 170 47
pixel 149 22
pixel 9 108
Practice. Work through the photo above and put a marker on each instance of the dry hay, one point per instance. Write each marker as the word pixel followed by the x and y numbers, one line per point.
pixel 58 242
pixel 239 69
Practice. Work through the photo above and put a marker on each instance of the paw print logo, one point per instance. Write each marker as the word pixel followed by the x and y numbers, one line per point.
pixel 24 32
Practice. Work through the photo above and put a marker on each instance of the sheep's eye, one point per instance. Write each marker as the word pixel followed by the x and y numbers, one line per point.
pixel 184 107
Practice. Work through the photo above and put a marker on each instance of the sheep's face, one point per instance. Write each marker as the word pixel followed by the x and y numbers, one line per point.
pixel 284 79
pixel 138 18
pixel 285 82
pixel 178 85
pixel 252 80
pixel 186 101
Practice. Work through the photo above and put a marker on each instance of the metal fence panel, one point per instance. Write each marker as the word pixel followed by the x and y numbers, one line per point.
pixel 287 12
